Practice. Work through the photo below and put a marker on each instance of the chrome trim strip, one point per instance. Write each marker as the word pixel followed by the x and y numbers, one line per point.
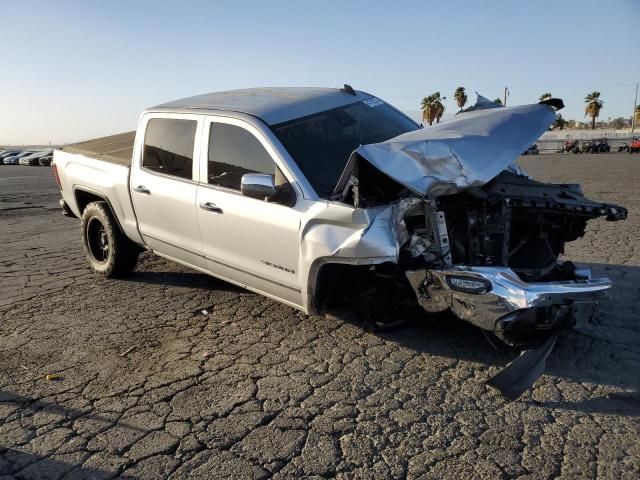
pixel 508 293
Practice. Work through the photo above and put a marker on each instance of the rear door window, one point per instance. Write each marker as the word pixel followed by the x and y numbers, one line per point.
pixel 168 146
pixel 234 151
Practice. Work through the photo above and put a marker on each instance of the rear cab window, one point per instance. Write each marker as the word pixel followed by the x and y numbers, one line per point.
pixel 169 146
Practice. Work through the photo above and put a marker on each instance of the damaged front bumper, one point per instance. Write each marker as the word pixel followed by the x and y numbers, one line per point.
pixel 497 300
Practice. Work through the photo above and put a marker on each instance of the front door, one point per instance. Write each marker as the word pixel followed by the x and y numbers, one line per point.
pixel 248 241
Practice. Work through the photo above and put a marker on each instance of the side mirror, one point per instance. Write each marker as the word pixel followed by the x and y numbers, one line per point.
pixel 258 185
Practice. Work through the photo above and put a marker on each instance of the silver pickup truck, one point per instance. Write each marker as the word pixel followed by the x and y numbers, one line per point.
pixel 308 195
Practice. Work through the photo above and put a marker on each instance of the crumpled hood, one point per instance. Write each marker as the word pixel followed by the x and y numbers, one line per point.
pixel 466 151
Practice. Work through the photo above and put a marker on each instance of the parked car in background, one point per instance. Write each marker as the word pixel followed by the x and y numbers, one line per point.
pixel 28 161
pixel 34 157
pixel 7 153
pixel 14 159
pixel 46 160
pixel 532 150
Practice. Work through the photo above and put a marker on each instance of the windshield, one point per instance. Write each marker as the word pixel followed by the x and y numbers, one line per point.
pixel 322 143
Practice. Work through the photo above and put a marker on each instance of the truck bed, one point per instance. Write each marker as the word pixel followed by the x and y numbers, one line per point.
pixel 113 149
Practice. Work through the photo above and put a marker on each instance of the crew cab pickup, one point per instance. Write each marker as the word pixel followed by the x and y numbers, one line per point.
pixel 307 195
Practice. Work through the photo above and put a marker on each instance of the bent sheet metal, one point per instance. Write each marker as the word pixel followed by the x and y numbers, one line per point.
pixel 466 151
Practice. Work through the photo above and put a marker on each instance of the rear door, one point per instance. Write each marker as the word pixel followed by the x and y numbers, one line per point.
pixel 249 241
pixel 163 186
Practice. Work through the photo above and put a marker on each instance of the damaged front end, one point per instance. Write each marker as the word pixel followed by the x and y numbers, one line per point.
pixel 475 235
pixel 500 267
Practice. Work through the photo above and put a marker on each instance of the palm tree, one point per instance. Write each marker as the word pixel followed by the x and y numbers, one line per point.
pixel 428 112
pixel 432 108
pixel 498 101
pixel 438 105
pixel 594 105
pixel 545 96
pixel 560 122
pixel 460 96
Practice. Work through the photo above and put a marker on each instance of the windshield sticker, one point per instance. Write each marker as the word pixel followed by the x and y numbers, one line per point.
pixel 373 102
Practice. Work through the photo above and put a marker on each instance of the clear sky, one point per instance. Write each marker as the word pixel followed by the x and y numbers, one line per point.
pixel 73 70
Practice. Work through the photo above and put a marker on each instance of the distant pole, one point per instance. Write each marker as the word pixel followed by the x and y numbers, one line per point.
pixel 505 96
pixel 633 116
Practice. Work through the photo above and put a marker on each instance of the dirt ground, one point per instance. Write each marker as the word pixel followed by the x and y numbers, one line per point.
pixel 150 387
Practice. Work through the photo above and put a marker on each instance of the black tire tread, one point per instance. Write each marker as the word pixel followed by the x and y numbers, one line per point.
pixel 124 253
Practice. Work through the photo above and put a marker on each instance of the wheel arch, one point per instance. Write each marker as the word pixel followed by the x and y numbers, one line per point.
pixel 84 196
pixel 330 273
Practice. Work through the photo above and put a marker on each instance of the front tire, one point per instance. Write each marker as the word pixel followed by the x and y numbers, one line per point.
pixel 109 252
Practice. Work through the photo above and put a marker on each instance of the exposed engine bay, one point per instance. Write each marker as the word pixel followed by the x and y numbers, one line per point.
pixel 512 221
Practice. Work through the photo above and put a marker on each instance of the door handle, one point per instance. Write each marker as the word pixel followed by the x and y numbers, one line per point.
pixel 142 189
pixel 210 207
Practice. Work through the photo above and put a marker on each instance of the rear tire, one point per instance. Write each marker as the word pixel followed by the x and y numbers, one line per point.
pixel 109 252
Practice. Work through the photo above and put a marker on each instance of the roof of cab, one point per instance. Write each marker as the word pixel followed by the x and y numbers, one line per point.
pixel 272 105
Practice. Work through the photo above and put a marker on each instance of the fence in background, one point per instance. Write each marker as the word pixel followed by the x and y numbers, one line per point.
pixel 551 142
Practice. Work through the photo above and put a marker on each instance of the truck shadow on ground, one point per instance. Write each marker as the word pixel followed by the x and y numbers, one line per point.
pixel 152 270
pixel 189 279
pixel 604 353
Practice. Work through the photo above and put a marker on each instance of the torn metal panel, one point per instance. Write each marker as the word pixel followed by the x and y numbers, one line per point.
pixel 482 103
pixel 466 151
pixel 337 233
pixel 341 231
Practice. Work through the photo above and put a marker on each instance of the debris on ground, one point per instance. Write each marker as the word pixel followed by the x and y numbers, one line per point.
pixel 383 326
pixel 127 351
pixel 521 374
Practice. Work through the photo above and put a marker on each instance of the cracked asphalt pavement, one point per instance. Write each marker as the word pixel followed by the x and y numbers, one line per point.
pixel 148 386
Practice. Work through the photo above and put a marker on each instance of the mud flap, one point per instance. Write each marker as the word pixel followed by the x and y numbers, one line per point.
pixel 522 373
